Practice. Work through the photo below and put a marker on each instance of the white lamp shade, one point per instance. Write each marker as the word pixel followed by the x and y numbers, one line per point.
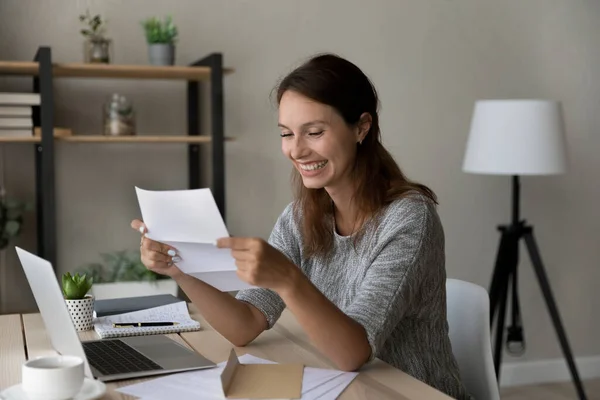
pixel 516 137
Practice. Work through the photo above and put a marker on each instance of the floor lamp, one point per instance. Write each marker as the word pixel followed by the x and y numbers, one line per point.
pixel 514 138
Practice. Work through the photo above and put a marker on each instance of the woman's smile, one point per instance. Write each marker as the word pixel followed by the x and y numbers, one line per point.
pixel 310 169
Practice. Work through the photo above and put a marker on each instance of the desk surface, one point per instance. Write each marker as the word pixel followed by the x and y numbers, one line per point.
pixel 24 336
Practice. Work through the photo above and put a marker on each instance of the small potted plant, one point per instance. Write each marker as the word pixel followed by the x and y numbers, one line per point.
pixel 161 37
pixel 79 303
pixel 96 45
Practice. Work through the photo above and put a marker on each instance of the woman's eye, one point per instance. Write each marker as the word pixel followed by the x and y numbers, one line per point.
pixel 283 135
pixel 315 133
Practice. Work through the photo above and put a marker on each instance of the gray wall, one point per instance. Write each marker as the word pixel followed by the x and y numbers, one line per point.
pixel 430 61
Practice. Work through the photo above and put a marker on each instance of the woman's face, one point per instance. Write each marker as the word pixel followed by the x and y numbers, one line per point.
pixel 317 140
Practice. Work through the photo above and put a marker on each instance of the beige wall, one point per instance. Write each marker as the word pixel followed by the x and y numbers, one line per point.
pixel 430 61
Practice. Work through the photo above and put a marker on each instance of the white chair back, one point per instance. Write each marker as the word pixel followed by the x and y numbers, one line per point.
pixel 468 307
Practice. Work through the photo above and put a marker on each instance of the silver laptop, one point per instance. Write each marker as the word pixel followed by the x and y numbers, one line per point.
pixel 109 359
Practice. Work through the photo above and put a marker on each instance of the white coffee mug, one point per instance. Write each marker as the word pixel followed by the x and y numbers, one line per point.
pixel 52 377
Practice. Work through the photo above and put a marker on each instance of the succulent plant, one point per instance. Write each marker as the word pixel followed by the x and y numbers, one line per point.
pixel 75 287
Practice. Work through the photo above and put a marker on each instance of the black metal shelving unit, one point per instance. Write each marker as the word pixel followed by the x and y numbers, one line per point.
pixel 44 72
pixel 45 193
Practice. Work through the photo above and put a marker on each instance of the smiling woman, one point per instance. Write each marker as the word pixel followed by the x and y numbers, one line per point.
pixel 357 257
pixel 330 125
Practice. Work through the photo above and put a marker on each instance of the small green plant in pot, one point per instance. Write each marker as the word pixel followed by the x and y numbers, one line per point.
pixel 97 47
pixel 161 36
pixel 79 303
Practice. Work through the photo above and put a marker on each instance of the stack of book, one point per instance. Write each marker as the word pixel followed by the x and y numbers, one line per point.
pixel 16 109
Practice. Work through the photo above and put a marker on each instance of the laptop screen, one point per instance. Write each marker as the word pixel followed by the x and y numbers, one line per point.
pixel 52 306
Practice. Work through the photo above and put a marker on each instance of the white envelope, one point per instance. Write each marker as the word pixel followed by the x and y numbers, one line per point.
pixel 190 221
pixel 205 384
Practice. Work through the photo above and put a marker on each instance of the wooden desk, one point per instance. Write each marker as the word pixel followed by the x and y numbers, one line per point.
pixel 24 336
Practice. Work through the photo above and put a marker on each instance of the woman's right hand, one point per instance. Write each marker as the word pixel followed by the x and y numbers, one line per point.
pixel 157 257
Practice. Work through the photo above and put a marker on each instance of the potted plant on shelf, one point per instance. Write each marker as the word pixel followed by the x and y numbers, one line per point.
pixel 96 46
pixel 161 37
pixel 79 303
pixel 122 274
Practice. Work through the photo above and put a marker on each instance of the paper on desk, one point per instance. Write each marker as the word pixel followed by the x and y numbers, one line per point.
pixel 205 384
pixel 190 221
pixel 332 388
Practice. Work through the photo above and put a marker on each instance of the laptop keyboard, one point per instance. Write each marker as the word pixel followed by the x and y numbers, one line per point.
pixel 112 357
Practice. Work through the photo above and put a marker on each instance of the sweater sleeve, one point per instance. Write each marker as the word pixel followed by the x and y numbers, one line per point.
pixel 283 238
pixel 392 282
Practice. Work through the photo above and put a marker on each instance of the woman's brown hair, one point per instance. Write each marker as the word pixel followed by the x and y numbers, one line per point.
pixel 336 82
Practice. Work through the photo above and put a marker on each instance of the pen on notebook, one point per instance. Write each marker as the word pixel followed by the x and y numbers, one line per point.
pixel 142 324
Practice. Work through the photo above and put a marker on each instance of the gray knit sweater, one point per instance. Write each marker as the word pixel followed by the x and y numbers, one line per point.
pixel 392 282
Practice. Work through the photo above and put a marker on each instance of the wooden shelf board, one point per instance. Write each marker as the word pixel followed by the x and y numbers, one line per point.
pixel 24 139
pixel 115 139
pixel 79 70
pixel 19 67
pixel 137 139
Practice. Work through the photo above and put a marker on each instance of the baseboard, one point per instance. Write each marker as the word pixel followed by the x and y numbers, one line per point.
pixel 546 371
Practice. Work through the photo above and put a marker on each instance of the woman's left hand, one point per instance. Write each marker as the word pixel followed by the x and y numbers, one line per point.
pixel 260 264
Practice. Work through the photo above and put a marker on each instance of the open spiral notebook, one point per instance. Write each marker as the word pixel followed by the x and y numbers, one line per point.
pixel 176 312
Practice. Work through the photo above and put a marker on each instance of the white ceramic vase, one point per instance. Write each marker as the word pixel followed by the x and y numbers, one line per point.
pixel 82 312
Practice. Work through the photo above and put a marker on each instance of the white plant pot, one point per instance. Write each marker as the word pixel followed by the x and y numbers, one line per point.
pixel 81 312
pixel 118 290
